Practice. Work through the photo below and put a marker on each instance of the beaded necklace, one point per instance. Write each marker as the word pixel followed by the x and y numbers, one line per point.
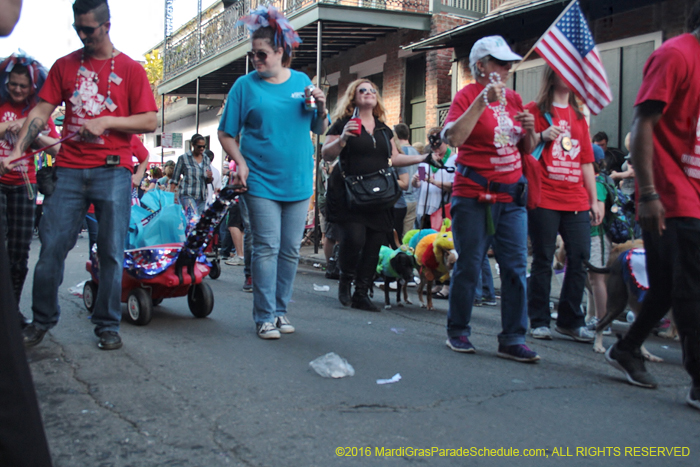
pixel 500 112
pixel 82 70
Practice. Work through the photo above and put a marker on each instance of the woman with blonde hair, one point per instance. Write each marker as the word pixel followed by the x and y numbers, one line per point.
pixel 364 147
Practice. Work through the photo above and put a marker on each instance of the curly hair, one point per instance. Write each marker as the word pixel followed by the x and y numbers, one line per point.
pixel 100 9
pixel 346 105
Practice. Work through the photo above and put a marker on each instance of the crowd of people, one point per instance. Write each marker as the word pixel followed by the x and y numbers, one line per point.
pixel 481 164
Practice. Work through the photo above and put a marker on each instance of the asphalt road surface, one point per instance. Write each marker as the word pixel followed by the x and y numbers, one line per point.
pixel 208 392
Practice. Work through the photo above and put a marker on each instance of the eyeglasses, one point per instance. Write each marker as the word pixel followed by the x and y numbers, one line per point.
pixel 197 146
pixel 364 91
pixel 261 55
pixel 87 30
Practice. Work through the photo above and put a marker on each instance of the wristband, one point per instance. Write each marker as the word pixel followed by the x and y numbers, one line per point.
pixel 648 197
pixel 542 136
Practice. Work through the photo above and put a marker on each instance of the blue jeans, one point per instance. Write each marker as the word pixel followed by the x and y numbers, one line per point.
pixel 109 189
pixel 510 247
pixel 278 228
pixel 247 237
pixel 484 286
pixel 574 228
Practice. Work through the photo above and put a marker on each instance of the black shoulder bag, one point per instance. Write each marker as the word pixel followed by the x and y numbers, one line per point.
pixel 373 191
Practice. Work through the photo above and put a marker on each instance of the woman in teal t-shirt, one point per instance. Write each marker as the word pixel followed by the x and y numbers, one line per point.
pixel 275 161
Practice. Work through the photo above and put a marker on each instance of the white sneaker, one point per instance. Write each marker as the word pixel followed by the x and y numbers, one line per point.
pixel 580 334
pixel 541 332
pixel 283 325
pixel 268 331
pixel 235 261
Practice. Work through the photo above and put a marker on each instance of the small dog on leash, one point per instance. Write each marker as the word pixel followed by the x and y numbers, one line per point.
pixel 626 284
pixel 395 266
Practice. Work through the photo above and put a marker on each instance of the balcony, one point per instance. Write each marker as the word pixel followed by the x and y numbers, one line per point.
pixel 347 24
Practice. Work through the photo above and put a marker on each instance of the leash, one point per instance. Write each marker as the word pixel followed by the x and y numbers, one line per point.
pixel 30 192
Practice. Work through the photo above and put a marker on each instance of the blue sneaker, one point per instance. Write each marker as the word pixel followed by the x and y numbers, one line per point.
pixel 460 344
pixel 517 352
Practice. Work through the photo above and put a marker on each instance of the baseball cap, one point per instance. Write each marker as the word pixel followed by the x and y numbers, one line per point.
pixel 496 46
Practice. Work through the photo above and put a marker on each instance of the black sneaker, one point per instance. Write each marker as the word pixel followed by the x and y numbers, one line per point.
pixel 32 335
pixel 517 352
pixel 631 363
pixel 109 340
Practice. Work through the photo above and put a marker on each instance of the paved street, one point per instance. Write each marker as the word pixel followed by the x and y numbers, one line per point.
pixel 208 392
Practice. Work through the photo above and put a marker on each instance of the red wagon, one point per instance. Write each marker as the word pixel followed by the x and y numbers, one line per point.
pixel 155 273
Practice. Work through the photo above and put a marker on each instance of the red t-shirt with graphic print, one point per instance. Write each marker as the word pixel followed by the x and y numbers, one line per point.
pixel 671 76
pixel 562 176
pixel 9 112
pixel 84 92
pixel 493 153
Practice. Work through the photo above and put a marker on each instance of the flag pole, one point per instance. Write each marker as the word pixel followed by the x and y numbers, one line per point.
pixel 532 49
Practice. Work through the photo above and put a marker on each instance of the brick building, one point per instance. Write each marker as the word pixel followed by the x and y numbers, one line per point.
pixel 626 32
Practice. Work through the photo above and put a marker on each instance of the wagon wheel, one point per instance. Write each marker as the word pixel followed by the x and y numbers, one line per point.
pixel 215 270
pixel 200 299
pixel 139 307
pixel 90 295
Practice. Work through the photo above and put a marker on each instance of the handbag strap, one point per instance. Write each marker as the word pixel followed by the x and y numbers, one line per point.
pixel 388 145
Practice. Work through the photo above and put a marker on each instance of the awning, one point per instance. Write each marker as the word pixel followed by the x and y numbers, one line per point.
pixel 524 20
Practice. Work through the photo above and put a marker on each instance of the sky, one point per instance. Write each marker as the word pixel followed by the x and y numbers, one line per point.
pixel 45 28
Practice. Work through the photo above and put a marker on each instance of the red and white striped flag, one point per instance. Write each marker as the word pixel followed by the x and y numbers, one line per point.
pixel 568 48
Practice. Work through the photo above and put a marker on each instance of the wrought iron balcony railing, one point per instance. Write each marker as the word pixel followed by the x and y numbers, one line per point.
pixel 218 33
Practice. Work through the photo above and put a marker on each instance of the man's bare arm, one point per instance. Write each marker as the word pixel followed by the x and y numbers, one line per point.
pixel 646 116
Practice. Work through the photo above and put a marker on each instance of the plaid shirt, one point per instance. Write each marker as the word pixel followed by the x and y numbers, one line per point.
pixel 194 182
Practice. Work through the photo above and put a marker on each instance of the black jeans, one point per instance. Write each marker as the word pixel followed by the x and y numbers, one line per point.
pixel 673 269
pixel 359 251
pixel 574 227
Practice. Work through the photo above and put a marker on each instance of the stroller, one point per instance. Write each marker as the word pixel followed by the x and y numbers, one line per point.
pixel 154 273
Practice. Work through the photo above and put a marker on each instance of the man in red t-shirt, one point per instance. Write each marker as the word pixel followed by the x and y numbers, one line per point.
pixel 107 98
pixel 665 148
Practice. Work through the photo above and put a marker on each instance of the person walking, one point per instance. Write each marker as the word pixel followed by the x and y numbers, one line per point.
pixel 195 169
pixel 275 161
pixel 363 147
pixel 488 124
pixel 21 79
pixel 665 148
pixel 110 99
pixel 568 194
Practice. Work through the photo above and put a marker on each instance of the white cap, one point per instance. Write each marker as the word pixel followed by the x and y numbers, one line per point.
pixel 496 46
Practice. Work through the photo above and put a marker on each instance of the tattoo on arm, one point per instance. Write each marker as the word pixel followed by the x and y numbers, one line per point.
pixel 33 131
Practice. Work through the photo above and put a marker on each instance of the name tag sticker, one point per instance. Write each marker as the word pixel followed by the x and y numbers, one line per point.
pixel 113 77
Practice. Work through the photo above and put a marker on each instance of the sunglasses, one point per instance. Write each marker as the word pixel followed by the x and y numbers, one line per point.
pixel 87 30
pixel 260 55
pixel 499 62
pixel 200 146
pixel 364 91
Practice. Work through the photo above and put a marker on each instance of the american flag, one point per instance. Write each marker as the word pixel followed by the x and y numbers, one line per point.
pixel 568 48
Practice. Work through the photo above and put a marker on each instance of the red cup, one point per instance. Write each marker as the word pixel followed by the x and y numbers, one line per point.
pixel 357 132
